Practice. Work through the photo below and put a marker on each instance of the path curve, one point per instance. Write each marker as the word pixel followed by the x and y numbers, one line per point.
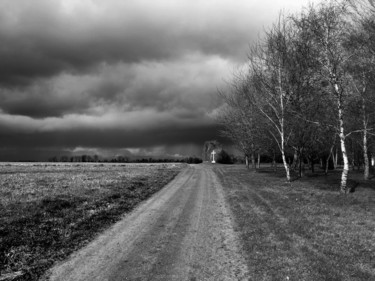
pixel 184 232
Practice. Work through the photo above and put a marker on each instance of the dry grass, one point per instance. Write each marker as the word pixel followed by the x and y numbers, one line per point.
pixel 304 230
pixel 49 210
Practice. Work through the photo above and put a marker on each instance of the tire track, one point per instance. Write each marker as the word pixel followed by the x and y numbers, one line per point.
pixel 274 229
pixel 184 232
pixel 103 254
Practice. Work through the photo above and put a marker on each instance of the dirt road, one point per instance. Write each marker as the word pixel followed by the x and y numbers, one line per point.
pixel 184 232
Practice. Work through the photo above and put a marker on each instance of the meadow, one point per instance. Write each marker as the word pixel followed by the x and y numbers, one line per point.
pixel 49 210
pixel 304 230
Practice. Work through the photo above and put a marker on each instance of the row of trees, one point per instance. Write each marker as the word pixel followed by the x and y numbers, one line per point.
pixel 308 89
pixel 76 158
pixel 123 159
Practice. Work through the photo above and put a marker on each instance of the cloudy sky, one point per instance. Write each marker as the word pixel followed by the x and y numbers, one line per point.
pixel 120 76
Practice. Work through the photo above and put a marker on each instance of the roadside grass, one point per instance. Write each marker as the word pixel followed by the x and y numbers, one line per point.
pixel 304 230
pixel 47 211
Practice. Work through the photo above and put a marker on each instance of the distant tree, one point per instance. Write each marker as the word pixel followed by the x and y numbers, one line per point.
pixel 208 147
pixel 122 159
pixel 53 159
pixel 224 158
pixel 77 158
pixel 193 160
pixel 64 158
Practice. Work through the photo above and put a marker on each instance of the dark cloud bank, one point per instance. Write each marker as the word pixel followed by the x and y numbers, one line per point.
pixel 119 76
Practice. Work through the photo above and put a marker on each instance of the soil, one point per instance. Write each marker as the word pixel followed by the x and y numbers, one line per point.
pixel 184 232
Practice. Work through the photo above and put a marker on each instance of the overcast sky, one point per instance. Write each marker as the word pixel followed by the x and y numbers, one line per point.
pixel 118 76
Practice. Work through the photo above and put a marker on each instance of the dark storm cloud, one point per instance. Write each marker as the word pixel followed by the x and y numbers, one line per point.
pixel 43 38
pixel 180 138
pixel 135 74
pixel 41 99
pixel 112 138
pixel 187 84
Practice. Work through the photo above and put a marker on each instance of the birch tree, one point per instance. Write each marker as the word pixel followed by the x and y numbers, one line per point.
pixel 362 70
pixel 328 25
pixel 308 104
pixel 270 62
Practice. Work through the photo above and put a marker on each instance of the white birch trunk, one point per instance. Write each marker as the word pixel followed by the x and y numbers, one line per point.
pixel 286 166
pixel 345 170
pixel 366 172
pixel 282 129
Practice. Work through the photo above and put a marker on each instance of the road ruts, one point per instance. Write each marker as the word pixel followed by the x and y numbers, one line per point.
pixel 184 232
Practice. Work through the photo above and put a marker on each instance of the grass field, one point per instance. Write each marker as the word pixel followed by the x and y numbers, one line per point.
pixel 49 210
pixel 304 230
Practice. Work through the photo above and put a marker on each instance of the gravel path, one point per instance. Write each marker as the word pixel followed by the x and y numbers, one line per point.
pixel 184 232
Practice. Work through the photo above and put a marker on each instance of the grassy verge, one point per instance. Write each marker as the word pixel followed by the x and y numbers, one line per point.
pixel 49 211
pixel 304 230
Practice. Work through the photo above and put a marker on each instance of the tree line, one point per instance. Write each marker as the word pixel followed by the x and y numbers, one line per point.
pixel 307 93
pixel 123 159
